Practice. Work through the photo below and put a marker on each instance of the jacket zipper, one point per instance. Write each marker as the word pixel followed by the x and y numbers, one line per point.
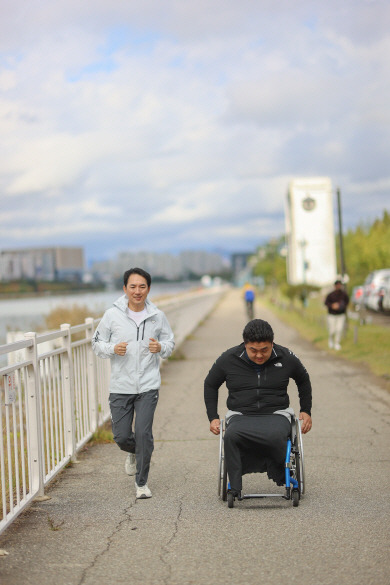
pixel 258 382
pixel 143 331
pixel 143 335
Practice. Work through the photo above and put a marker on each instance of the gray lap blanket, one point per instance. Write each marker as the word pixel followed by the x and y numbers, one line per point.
pixel 262 442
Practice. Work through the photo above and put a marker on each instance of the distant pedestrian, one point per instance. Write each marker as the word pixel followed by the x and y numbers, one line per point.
pixel 336 302
pixel 249 298
pixel 134 334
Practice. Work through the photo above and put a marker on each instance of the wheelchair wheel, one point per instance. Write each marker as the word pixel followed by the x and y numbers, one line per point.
pixel 230 500
pixel 300 462
pixel 221 469
pixel 220 476
pixel 298 471
pixel 295 498
pixel 224 482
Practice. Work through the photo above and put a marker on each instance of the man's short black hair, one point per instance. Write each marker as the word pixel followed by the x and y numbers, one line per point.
pixel 139 271
pixel 258 330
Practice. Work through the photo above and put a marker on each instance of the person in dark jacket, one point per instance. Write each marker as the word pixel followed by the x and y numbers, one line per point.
pixel 258 422
pixel 336 303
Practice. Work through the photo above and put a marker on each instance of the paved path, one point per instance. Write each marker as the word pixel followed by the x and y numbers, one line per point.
pixel 92 531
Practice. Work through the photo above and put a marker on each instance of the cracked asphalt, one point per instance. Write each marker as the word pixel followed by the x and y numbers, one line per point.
pixel 93 531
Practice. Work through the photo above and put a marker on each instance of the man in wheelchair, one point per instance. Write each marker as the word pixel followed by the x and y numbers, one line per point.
pixel 258 422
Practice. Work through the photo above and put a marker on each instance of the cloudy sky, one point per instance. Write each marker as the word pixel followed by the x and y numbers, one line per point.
pixel 177 124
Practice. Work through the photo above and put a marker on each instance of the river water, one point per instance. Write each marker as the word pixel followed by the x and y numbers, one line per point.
pixel 28 314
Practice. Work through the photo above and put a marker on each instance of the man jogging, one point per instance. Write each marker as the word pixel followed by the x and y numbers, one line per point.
pixel 134 334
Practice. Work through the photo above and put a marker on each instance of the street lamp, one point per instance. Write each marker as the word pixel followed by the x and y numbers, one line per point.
pixel 303 244
pixel 341 243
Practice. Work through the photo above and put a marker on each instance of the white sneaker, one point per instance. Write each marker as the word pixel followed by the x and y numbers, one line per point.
pixel 337 346
pixel 142 492
pixel 330 344
pixel 130 465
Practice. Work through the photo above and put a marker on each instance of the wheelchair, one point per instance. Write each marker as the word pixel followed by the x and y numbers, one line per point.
pixel 294 469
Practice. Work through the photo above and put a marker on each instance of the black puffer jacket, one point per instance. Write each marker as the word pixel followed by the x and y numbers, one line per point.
pixel 256 392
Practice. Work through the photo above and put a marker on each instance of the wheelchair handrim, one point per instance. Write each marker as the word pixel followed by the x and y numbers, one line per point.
pixel 301 460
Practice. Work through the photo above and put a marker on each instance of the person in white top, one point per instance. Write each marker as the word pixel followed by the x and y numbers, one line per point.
pixel 134 334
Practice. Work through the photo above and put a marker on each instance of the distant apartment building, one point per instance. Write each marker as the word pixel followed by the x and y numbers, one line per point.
pixel 241 268
pixel 57 263
pixel 162 265
pixel 200 262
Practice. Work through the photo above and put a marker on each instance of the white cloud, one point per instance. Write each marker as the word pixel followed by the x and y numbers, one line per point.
pixel 181 213
pixel 181 125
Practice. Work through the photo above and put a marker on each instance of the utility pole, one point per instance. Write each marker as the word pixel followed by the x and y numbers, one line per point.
pixel 341 243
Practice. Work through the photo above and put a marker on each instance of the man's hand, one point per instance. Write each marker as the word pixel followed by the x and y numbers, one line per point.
pixel 120 348
pixel 215 427
pixel 154 345
pixel 306 423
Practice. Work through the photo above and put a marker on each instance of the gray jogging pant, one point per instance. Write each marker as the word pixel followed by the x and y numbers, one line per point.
pixel 140 441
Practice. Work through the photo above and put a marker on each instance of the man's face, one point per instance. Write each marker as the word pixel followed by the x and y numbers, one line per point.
pixel 259 351
pixel 136 290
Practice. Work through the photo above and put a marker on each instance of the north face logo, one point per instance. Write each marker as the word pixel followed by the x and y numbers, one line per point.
pixel 278 365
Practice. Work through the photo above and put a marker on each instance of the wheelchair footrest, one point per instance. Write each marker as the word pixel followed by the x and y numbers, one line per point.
pixel 247 496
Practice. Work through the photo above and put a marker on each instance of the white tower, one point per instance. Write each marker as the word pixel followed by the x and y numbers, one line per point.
pixel 311 251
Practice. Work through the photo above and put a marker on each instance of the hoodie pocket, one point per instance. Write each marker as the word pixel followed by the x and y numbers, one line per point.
pixel 147 358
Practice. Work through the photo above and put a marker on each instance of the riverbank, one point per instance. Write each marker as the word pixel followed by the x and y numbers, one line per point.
pixel 32 289
pixel 29 313
pixel 27 289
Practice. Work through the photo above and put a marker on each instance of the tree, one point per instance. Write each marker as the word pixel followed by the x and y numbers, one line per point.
pixel 271 265
pixel 367 248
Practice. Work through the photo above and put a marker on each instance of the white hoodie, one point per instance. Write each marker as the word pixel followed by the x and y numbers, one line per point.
pixel 139 369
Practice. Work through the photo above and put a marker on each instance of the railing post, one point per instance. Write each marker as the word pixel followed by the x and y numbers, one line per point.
pixel 69 405
pixel 34 426
pixel 92 377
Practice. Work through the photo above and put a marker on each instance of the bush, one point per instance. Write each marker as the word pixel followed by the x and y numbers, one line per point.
pixel 298 291
pixel 74 315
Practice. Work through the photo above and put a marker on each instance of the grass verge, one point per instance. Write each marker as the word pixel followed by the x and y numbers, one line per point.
pixel 102 435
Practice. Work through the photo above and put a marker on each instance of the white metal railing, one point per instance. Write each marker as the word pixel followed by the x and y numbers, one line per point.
pixel 50 405
pixel 53 399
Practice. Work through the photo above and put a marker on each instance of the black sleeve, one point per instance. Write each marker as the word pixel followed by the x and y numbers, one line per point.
pixel 327 300
pixel 213 381
pixel 302 379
